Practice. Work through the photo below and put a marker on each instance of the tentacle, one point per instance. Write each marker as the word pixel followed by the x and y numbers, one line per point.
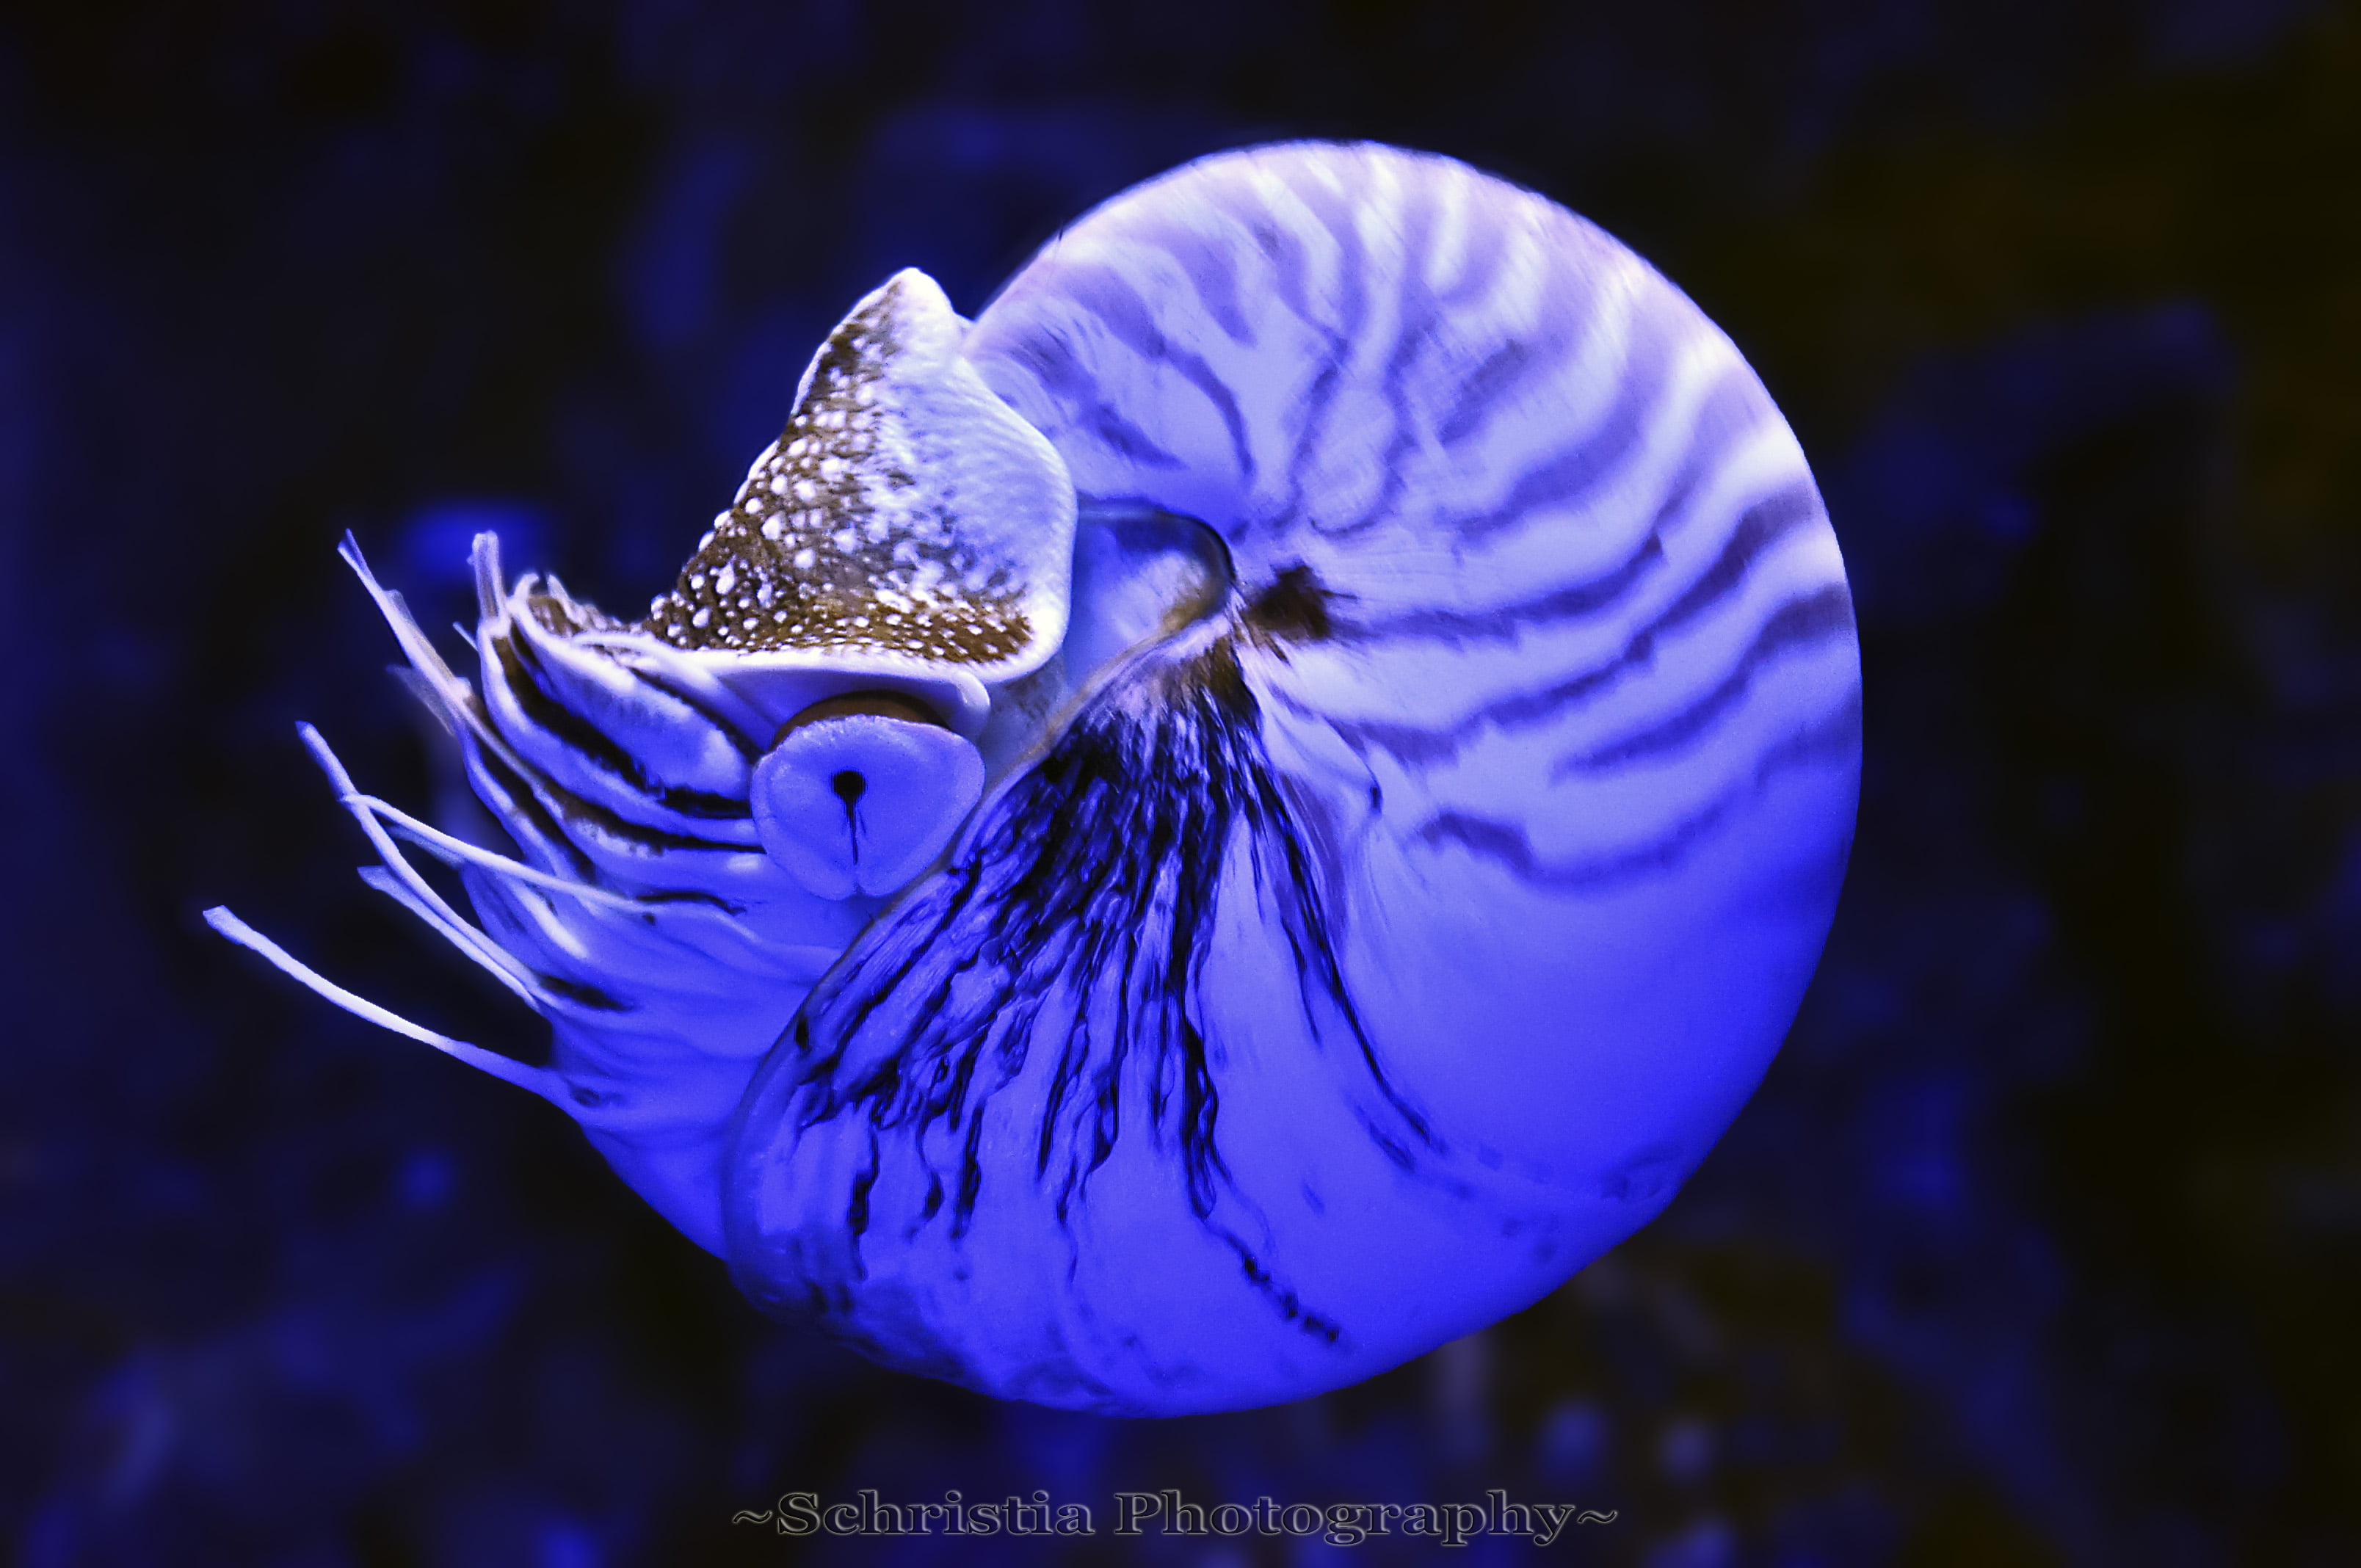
pixel 538 1080
pixel 400 880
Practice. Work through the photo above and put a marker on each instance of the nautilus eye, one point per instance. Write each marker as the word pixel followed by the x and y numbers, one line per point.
pixel 1233 820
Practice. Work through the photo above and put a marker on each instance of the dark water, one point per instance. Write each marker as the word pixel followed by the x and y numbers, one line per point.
pixel 2040 1242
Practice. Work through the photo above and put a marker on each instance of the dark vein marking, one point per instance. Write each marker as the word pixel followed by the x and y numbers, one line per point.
pixel 1294 609
pixel 1277 245
pixel 560 806
pixel 1056 365
pixel 527 680
pixel 1076 921
pixel 1211 269
pixel 1418 325
pixel 1484 253
pixel 579 991
pixel 1799 622
pixel 1109 296
pixel 1505 623
pixel 1835 738
pixel 517 801
pixel 1601 451
pixel 747 746
pixel 1758 528
pixel 1343 327
pixel 1282 1300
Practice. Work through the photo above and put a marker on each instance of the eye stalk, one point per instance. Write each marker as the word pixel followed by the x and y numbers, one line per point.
pixel 859 793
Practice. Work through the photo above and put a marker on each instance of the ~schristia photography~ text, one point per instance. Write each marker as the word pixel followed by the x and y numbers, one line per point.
pixel 1166 1512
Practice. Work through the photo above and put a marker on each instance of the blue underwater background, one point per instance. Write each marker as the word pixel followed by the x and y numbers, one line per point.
pixel 2040 1242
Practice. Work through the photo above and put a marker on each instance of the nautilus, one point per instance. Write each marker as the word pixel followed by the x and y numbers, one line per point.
pixel 1233 819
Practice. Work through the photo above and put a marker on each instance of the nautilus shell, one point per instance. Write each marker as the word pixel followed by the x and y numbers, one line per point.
pixel 1231 821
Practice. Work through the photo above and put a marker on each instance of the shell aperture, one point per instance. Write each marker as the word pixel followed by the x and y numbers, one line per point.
pixel 1354 824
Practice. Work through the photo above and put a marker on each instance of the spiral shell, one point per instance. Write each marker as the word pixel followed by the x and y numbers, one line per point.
pixel 1235 820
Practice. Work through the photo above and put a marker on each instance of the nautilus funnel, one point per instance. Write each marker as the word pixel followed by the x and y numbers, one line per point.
pixel 1231 821
pixel 856 801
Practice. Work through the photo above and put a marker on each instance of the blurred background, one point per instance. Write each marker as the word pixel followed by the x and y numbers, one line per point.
pixel 2040 1242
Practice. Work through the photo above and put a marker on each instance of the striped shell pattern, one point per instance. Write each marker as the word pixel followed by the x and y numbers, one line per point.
pixel 1236 818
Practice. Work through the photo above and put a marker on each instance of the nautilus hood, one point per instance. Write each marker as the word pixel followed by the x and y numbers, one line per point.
pixel 1238 818
pixel 905 528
